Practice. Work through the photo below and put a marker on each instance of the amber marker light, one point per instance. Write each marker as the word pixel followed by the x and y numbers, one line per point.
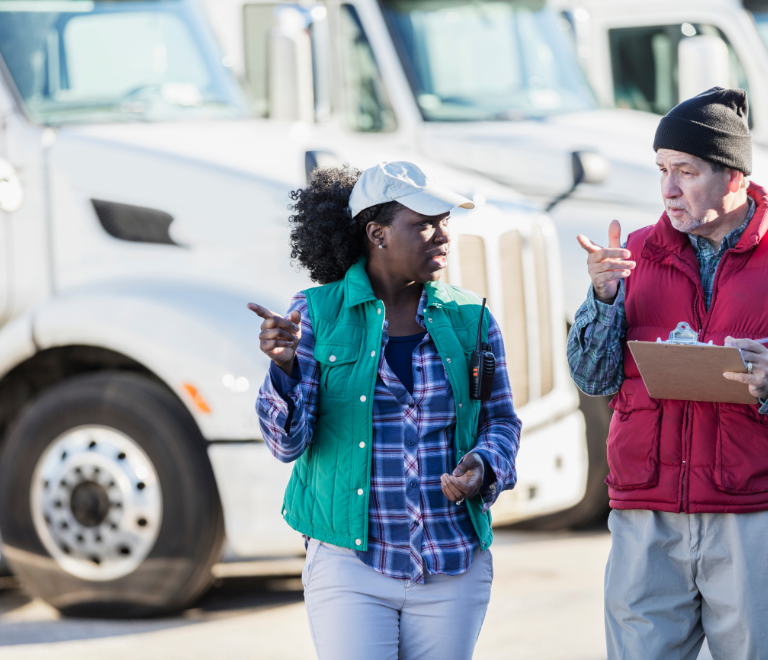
pixel 200 402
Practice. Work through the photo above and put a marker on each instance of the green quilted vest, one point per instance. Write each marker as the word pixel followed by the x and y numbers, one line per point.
pixel 327 495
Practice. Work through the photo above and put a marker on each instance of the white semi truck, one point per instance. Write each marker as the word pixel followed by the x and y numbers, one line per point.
pixel 487 86
pixel 140 209
pixel 651 55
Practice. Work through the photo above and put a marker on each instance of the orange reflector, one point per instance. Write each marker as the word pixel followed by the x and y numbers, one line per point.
pixel 200 402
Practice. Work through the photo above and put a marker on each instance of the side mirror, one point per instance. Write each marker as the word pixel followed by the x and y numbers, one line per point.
pixel 703 63
pixel 319 159
pixel 291 95
pixel 588 167
pixel 11 190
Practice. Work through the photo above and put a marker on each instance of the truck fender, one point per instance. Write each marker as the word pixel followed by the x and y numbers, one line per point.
pixel 201 341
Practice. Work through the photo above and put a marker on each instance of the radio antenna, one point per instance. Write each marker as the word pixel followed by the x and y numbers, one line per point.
pixel 480 328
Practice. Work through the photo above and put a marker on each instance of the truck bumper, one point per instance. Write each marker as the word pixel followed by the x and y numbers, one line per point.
pixel 552 471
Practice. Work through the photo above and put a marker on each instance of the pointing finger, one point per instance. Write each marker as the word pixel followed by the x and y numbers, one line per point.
pixel 263 312
pixel 587 244
pixel 614 234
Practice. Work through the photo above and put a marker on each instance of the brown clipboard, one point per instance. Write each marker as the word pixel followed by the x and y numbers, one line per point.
pixel 690 372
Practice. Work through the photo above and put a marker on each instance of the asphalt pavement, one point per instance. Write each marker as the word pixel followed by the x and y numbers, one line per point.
pixel 546 604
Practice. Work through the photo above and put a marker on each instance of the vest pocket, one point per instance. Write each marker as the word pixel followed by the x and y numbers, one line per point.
pixel 741 463
pixel 633 440
pixel 336 364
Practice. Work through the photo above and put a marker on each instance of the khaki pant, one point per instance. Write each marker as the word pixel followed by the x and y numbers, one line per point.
pixel 356 613
pixel 673 578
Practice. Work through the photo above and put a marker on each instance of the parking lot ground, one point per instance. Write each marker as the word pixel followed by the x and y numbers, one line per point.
pixel 546 604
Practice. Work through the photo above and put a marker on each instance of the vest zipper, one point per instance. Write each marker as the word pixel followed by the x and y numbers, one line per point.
pixel 687 427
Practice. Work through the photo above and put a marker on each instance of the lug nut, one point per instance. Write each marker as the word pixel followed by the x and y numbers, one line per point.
pixel 142 522
pixel 140 485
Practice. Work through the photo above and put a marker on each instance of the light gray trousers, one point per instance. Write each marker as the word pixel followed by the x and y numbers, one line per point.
pixel 356 613
pixel 673 578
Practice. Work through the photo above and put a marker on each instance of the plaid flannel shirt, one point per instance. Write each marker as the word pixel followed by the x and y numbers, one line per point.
pixel 595 352
pixel 412 526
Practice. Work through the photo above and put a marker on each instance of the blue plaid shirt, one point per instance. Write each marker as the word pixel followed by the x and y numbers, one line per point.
pixel 595 354
pixel 412 526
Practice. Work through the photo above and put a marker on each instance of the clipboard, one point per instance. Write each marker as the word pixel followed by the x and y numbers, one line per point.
pixel 685 369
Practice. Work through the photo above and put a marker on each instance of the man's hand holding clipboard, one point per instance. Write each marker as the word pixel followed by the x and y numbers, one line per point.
pixel 755 356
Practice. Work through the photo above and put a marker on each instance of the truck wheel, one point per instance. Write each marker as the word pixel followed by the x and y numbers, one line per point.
pixel 108 503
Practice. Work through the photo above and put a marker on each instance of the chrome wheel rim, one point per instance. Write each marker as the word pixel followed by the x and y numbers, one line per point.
pixel 96 503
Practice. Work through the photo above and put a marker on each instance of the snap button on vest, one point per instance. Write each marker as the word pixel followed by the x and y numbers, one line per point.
pixel 362 398
pixel 332 358
pixel 359 491
pixel 362 445
pixel 358 541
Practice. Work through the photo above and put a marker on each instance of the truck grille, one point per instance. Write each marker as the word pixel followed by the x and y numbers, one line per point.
pixel 516 282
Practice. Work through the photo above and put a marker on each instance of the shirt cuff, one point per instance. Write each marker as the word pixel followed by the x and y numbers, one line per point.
pixel 604 313
pixel 489 488
pixel 763 406
pixel 281 381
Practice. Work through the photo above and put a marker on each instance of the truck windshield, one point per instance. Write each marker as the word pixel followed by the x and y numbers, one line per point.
pixel 760 14
pixel 75 61
pixel 487 59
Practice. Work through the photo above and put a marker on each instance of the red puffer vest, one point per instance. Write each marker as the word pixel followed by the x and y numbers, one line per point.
pixel 683 456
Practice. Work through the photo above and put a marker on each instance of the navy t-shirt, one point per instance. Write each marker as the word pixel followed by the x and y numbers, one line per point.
pixel 399 356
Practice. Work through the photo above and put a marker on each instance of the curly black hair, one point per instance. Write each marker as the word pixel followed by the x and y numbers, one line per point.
pixel 325 239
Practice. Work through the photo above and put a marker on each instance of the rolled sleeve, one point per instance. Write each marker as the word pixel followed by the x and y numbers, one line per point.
pixel 595 351
pixel 287 405
pixel 498 438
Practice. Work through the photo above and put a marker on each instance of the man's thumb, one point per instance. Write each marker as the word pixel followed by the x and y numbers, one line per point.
pixel 461 468
pixel 614 234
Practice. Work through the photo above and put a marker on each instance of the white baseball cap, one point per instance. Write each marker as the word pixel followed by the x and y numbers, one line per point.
pixel 406 184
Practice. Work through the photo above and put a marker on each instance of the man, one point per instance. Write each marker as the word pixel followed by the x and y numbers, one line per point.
pixel 688 481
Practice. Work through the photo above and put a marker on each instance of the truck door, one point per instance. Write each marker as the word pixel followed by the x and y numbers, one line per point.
pixel 645 64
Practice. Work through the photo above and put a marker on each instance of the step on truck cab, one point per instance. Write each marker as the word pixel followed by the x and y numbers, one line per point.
pixel 141 208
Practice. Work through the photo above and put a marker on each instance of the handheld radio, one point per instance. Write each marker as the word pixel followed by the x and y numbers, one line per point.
pixel 482 366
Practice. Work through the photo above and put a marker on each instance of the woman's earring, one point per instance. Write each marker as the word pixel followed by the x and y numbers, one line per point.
pixel 381 247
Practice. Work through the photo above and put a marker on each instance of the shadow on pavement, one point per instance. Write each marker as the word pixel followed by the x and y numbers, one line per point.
pixel 25 620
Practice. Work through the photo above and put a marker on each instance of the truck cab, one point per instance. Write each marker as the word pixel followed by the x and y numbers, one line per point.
pixel 487 87
pixel 142 205
pixel 649 56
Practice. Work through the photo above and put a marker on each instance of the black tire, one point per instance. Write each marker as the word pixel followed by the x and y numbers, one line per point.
pixel 593 508
pixel 177 569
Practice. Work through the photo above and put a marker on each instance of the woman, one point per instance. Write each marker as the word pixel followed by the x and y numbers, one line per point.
pixel 368 391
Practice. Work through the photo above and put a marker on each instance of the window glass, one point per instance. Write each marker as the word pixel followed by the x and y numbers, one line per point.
pixel 115 61
pixel 366 103
pixel 258 21
pixel 645 65
pixel 487 59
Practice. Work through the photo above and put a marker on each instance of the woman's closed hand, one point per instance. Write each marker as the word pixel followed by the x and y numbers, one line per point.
pixel 279 336
pixel 466 480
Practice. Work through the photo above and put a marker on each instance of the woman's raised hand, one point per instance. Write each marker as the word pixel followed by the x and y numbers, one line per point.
pixel 279 336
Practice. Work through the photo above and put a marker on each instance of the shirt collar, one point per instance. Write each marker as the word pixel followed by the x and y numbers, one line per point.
pixel 700 244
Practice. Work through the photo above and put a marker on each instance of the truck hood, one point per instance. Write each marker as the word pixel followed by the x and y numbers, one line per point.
pixel 534 156
pixel 227 187
pixel 275 151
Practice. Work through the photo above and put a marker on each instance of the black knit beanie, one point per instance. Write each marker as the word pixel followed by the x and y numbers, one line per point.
pixel 712 126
